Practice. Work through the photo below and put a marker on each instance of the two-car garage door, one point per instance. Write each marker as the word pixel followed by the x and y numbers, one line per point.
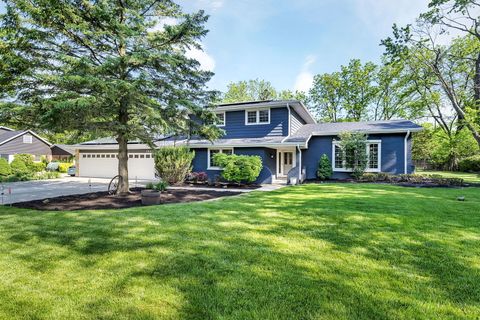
pixel 105 165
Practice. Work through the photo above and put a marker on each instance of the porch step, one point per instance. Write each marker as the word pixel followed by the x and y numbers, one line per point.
pixel 281 180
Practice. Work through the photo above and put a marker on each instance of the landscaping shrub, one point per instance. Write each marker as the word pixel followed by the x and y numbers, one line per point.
pixel 412 179
pixel 173 164
pixel 5 169
pixel 197 177
pixel 38 167
pixel 324 170
pixel 26 158
pixel 19 167
pixel 159 186
pixel 63 167
pixel 239 169
pixel 470 164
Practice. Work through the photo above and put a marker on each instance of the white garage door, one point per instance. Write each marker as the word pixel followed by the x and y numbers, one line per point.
pixel 105 165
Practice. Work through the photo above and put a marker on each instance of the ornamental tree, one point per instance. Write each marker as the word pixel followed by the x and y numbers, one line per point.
pixel 354 149
pixel 111 67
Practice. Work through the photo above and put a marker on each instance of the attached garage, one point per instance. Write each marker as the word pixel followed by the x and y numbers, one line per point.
pixel 104 164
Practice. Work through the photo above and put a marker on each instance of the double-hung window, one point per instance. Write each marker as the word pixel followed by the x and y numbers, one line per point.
pixel 212 152
pixel 220 119
pixel 373 155
pixel 260 116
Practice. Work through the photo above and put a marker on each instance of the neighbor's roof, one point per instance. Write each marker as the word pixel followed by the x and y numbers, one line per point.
pixel 297 105
pixel 10 135
pixel 370 127
pixel 5 129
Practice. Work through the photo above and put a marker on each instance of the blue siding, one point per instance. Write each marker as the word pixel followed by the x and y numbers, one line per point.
pixel 392 154
pixel 235 125
pixel 268 160
pixel 296 121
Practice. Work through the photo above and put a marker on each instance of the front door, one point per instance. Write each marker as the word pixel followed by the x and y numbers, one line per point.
pixel 285 162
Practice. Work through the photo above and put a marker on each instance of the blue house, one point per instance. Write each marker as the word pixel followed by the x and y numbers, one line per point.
pixel 283 133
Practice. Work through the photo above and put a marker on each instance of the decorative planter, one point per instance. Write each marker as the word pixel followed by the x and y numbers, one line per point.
pixel 151 197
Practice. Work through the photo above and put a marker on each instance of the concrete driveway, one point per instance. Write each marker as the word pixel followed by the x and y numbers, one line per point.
pixel 36 190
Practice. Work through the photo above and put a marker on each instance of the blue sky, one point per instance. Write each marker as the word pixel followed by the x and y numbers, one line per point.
pixel 288 41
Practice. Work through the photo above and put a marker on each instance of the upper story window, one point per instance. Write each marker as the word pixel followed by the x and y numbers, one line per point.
pixel 27 139
pixel 220 119
pixel 373 155
pixel 260 116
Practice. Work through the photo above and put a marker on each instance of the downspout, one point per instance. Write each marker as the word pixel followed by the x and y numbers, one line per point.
pixel 405 146
pixel 289 122
pixel 300 164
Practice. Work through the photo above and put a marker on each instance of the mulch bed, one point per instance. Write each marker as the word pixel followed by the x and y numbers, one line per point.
pixel 102 200
pixel 223 186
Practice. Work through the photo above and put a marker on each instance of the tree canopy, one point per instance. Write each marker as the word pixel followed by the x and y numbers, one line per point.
pixel 112 67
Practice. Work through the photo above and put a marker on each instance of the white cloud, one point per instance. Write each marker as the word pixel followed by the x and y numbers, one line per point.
pixel 207 62
pixel 304 80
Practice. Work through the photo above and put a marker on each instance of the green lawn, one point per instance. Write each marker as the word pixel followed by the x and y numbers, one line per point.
pixel 467 177
pixel 330 251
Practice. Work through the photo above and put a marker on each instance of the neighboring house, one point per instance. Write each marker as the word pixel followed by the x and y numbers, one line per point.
pixel 14 142
pixel 62 152
pixel 282 133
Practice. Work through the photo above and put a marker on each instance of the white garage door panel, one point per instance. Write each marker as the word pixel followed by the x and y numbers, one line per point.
pixel 97 165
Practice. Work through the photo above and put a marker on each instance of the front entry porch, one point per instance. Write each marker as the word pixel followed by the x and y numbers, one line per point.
pixel 286 161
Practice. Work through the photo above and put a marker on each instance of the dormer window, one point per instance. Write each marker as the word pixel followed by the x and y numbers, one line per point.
pixel 260 116
pixel 27 138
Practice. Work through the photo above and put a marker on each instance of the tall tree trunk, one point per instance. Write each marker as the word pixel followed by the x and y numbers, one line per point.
pixel 123 183
pixel 476 88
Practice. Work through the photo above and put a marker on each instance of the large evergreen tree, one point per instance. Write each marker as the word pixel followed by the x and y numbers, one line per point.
pixel 113 67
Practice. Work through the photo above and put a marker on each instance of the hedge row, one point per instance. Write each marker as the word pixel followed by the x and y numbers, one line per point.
pixel 433 179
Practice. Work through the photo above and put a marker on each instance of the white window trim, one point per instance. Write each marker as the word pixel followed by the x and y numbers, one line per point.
pixel 30 140
pixel 208 157
pixel 224 119
pixel 257 111
pixel 369 142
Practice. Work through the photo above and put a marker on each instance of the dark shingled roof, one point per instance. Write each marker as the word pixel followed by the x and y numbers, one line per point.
pixel 304 133
pixel 9 134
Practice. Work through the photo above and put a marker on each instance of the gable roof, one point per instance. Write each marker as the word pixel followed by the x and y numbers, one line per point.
pixel 370 127
pixel 5 129
pixel 10 135
pixel 297 105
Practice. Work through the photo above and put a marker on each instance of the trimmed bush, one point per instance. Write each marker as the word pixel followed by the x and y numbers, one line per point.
pixel 5 169
pixel 434 179
pixel 19 167
pixel 173 164
pixel 470 164
pixel 324 170
pixel 63 167
pixel 197 177
pixel 38 167
pixel 239 169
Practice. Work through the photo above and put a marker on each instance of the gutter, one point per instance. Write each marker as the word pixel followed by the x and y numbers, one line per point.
pixel 405 146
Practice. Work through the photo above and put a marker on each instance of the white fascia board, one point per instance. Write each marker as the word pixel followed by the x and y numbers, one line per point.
pixel 249 145
pixel 333 133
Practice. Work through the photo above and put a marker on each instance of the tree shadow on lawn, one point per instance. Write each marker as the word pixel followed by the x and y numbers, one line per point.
pixel 293 253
